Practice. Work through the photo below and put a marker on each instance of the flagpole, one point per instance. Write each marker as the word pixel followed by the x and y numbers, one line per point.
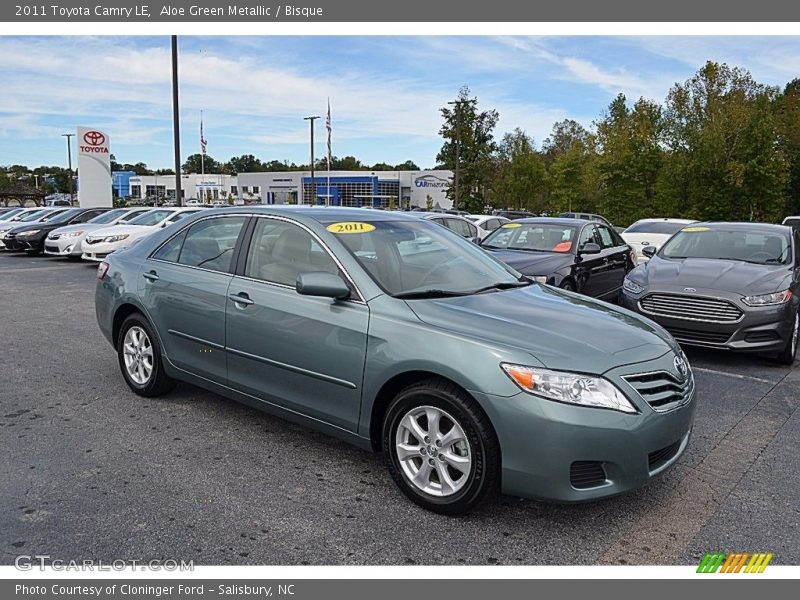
pixel 202 162
pixel 329 126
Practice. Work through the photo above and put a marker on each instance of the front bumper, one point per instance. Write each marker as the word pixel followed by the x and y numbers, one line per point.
pixel 98 251
pixel 23 243
pixel 760 329
pixel 545 444
pixel 63 246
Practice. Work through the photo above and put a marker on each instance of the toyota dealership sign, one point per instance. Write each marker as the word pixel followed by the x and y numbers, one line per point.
pixel 94 168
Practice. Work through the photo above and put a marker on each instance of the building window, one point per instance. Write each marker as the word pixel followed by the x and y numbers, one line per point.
pixel 256 189
pixel 234 190
pixel 245 189
pixel 136 191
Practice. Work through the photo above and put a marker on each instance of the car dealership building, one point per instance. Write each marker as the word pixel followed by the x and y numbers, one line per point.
pixel 341 188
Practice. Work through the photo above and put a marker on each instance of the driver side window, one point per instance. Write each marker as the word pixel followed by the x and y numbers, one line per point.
pixel 588 236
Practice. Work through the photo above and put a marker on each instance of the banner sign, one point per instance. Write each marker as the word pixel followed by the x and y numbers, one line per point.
pixel 94 168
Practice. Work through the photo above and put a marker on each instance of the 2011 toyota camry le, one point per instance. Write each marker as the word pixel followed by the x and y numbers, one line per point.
pixel 398 335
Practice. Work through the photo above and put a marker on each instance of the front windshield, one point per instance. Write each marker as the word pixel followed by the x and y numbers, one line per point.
pixel 9 214
pixel 62 216
pixel 107 217
pixel 533 237
pixel 33 215
pixel 422 259
pixel 153 217
pixel 757 246
pixel 666 227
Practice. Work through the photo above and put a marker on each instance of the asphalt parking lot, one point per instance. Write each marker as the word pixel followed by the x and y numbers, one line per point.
pixel 89 470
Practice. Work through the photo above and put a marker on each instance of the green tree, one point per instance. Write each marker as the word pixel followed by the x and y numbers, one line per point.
pixel 787 108
pixel 246 163
pixel 630 160
pixel 408 165
pixel 474 131
pixel 573 177
pixel 520 175
pixel 195 163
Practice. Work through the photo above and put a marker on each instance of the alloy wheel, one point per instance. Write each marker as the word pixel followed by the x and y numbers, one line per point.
pixel 433 451
pixel 138 353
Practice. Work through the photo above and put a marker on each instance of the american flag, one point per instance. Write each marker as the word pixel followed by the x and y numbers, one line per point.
pixel 329 127
pixel 203 142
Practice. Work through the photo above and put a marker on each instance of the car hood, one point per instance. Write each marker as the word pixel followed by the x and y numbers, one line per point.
pixel 562 330
pixel 702 273
pixel 532 263
pixel 31 226
pixel 131 230
pixel 639 240
pixel 87 227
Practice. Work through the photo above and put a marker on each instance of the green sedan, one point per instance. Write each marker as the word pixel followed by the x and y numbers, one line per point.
pixel 400 336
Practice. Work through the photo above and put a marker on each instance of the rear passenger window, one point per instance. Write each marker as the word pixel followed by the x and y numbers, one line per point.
pixel 209 244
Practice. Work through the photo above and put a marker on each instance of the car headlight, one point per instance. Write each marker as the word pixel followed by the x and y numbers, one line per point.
pixel 72 234
pixel 781 297
pixel 632 286
pixel 31 232
pixel 572 388
pixel 116 238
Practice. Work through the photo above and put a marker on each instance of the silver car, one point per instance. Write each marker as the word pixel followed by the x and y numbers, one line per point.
pixel 66 241
pixel 28 216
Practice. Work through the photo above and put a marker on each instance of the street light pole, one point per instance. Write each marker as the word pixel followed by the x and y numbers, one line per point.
pixel 313 181
pixel 176 125
pixel 69 137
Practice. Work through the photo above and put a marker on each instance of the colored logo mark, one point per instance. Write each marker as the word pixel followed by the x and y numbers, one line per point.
pixel 740 562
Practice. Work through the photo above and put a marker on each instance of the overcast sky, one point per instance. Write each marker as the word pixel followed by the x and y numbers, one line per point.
pixel 385 92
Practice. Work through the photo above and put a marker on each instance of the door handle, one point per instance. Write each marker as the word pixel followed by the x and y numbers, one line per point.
pixel 241 298
pixel 151 276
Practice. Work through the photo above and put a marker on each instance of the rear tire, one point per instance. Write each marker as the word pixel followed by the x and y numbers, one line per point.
pixel 440 448
pixel 568 285
pixel 790 350
pixel 140 358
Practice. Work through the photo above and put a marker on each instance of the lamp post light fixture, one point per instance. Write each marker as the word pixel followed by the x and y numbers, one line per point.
pixel 69 137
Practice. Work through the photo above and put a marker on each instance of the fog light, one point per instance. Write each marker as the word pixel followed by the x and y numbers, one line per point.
pixel 68 250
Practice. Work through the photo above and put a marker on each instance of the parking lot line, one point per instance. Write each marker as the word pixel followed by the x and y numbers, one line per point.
pixel 662 534
pixel 736 375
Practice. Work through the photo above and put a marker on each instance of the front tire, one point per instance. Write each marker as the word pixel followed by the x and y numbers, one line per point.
pixel 790 350
pixel 140 358
pixel 440 448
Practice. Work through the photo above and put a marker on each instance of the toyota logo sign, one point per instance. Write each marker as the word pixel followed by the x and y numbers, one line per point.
pixel 681 367
pixel 94 138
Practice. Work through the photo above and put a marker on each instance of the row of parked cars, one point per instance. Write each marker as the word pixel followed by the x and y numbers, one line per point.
pixel 474 363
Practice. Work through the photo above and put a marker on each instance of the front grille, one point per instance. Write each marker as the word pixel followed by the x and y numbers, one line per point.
pixel 659 457
pixel 663 391
pixel 698 337
pixel 51 248
pixel 691 308
pixel 585 474
pixel 755 337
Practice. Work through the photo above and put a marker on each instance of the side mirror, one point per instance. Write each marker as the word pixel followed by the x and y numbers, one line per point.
pixel 322 284
pixel 476 240
pixel 590 248
pixel 649 251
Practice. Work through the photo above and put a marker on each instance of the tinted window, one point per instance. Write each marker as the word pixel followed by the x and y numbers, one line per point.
pixel 132 214
pixel 537 237
pixel 280 251
pixel 33 215
pixel 665 227
pixel 462 228
pixel 606 239
pixel 63 216
pixel 172 249
pixel 209 244
pixel 87 216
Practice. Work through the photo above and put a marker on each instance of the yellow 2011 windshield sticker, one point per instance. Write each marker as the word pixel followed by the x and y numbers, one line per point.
pixel 350 227
pixel 511 225
pixel 695 228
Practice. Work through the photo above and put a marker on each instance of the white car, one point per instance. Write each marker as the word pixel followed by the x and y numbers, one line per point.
pixel 67 241
pixel 99 244
pixel 29 215
pixel 18 214
pixel 486 224
pixel 651 232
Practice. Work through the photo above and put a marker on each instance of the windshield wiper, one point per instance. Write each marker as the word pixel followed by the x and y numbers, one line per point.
pixel 527 249
pixel 432 293
pixel 492 247
pixel 506 285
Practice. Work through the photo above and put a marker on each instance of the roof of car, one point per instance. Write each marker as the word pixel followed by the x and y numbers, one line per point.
pixel 330 214
pixel 553 220
pixel 743 226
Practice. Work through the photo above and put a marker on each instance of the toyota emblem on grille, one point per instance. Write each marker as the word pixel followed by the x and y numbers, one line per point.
pixel 681 367
pixel 689 290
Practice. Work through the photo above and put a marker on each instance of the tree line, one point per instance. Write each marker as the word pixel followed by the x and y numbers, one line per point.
pixel 720 146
